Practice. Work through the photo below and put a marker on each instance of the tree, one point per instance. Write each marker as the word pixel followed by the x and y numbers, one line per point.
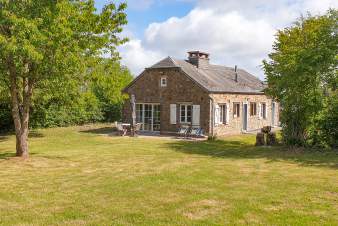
pixel 48 40
pixel 106 80
pixel 301 71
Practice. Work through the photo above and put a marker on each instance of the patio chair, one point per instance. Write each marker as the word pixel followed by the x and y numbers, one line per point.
pixel 196 132
pixel 200 133
pixel 183 131
pixel 121 130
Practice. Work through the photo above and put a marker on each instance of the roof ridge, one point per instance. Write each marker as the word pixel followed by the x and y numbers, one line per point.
pixel 173 60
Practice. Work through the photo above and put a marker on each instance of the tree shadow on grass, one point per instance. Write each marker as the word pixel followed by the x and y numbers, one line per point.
pixel 3 138
pixel 32 134
pixel 104 130
pixel 7 155
pixel 243 150
pixel 35 134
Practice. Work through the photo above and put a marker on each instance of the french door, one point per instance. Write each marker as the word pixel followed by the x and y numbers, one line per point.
pixel 149 115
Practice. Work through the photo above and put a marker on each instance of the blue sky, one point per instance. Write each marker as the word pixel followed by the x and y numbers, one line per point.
pixel 144 12
pixel 234 32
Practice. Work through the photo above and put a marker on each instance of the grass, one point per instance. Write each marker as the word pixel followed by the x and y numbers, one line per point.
pixel 82 178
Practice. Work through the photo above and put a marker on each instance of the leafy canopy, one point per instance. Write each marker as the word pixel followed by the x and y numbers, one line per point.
pixel 302 71
pixel 58 46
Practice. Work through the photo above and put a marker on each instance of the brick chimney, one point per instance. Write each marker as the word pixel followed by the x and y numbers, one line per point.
pixel 199 59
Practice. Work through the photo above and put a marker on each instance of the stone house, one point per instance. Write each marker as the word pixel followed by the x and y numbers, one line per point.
pixel 220 100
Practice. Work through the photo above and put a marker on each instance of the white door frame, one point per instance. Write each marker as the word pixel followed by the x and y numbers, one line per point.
pixel 152 115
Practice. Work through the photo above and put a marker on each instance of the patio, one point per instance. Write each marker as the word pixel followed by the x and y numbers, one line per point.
pixel 110 130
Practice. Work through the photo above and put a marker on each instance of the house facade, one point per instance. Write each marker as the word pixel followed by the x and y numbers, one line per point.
pixel 220 100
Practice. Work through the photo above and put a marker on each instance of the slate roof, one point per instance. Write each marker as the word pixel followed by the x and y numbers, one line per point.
pixel 216 78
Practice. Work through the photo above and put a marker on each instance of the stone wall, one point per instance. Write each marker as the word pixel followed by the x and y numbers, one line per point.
pixel 235 125
pixel 180 89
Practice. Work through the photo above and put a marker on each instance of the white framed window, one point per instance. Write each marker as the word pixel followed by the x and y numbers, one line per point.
pixel 262 110
pixel 163 81
pixel 223 114
pixel 236 110
pixel 185 113
pixel 253 109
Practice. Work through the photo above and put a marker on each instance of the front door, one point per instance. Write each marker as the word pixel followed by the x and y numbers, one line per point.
pixel 245 117
pixel 149 116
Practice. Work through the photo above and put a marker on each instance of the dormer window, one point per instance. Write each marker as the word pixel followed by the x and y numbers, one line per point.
pixel 163 81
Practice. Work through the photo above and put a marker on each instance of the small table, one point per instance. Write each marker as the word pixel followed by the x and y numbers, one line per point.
pixel 126 125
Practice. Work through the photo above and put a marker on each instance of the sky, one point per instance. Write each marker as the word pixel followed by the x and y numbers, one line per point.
pixel 234 32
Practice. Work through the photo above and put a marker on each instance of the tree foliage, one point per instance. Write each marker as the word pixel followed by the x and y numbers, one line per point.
pixel 302 73
pixel 47 44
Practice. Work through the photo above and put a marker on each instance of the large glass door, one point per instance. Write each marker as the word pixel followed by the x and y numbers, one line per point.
pixel 149 115
pixel 156 117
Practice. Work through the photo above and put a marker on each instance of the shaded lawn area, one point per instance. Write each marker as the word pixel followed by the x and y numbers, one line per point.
pixel 82 178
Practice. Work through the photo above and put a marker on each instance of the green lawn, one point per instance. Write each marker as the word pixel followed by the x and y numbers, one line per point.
pixel 82 178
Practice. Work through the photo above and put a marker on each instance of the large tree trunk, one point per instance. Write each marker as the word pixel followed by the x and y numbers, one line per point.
pixel 20 110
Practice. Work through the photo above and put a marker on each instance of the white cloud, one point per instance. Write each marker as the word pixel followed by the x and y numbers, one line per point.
pixel 233 32
pixel 136 57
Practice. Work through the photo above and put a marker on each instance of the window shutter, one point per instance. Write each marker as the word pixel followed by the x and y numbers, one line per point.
pixel 196 115
pixel 260 110
pixel 216 114
pixel 173 113
pixel 228 114
pixel 266 110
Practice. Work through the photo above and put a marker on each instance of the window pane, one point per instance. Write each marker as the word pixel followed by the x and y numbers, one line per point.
pixel 253 109
pixel 263 110
pixel 163 82
pixel 224 114
pixel 221 114
pixel 189 113
pixel 236 109
pixel 182 113
pixel 139 113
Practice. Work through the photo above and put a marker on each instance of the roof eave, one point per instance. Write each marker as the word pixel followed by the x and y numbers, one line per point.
pixel 150 68
pixel 238 92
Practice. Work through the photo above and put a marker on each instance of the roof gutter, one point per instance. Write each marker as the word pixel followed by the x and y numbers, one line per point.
pixel 230 92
